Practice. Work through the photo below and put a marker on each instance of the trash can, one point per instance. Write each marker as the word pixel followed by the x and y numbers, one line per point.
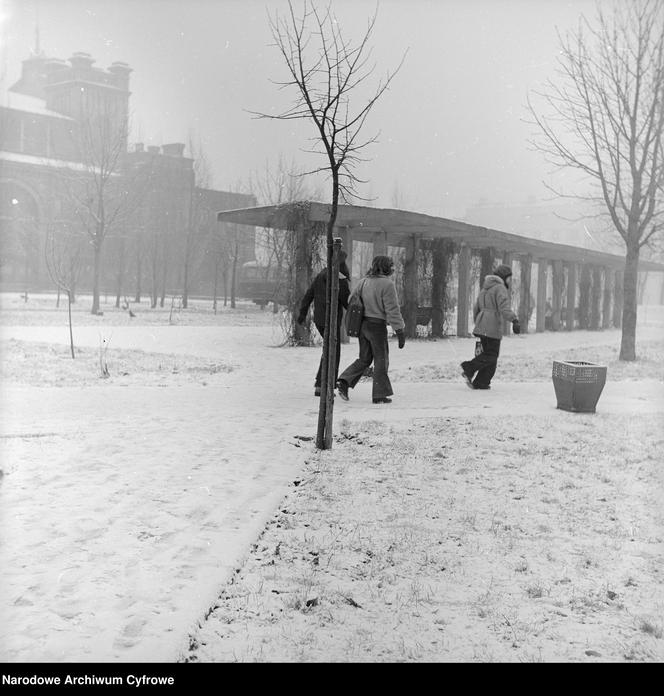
pixel 578 384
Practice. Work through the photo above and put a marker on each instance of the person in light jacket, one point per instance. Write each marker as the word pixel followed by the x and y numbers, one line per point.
pixel 491 307
pixel 381 307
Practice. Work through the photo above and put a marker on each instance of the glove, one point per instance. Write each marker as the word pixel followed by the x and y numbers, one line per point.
pixel 302 318
pixel 516 327
pixel 402 338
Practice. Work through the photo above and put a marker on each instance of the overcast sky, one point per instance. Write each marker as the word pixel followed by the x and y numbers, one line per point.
pixel 451 126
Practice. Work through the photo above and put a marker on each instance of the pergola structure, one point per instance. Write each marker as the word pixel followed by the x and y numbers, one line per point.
pixel 598 275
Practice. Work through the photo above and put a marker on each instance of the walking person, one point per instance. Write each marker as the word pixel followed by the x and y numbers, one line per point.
pixel 491 307
pixel 381 307
pixel 317 292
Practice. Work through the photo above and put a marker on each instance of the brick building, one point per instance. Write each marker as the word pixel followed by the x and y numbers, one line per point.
pixel 63 135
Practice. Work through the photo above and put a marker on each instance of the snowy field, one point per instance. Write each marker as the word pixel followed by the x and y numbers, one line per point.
pixel 131 504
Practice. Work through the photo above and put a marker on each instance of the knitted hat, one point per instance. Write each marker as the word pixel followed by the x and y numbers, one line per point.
pixel 503 272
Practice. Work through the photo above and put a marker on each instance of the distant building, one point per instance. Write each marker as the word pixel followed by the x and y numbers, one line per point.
pixel 44 122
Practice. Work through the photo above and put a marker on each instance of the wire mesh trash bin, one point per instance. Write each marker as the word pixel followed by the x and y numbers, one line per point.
pixel 578 384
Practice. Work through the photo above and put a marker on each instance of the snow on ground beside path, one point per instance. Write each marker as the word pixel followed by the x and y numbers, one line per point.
pixel 127 502
pixel 459 539
pixel 122 515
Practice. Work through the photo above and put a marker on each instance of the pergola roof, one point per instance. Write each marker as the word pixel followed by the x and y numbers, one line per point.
pixel 400 225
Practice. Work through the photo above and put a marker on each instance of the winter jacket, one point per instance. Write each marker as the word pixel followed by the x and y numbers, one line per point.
pixel 317 293
pixel 491 307
pixel 379 295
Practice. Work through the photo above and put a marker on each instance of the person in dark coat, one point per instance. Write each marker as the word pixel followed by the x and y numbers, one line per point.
pixel 381 307
pixel 491 308
pixel 317 293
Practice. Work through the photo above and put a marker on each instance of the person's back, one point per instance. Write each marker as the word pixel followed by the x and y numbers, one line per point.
pixel 381 306
pixel 379 296
pixel 491 308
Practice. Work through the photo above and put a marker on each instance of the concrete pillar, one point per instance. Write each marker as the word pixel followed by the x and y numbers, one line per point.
pixel 526 265
pixel 346 236
pixel 441 255
pixel 488 259
pixel 542 269
pixel 409 301
pixel 463 290
pixel 585 281
pixel 507 325
pixel 558 279
pixel 596 298
pixel 380 243
pixel 618 297
pixel 303 261
pixel 570 315
pixel 608 292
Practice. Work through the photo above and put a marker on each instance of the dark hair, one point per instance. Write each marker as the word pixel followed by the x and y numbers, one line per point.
pixel 381 265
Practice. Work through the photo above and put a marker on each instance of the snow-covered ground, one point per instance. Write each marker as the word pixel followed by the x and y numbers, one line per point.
pixel 127 503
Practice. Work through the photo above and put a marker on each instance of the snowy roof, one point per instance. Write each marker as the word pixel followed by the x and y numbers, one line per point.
pixel 20 158
pixel 399 226
pixel 28 103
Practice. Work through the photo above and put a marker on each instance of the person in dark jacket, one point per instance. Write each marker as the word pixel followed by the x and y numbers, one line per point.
pixel 317 293
pixel 381 307
pixel 491 308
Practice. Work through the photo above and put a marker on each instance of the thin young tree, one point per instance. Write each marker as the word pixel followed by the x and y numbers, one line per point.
pixel 63 250
pixel 604 117
pixel 195 234
pixel 328 73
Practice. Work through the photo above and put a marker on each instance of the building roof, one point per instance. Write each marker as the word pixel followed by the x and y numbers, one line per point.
pixel 400 225
pixel 37 161
pixel 29 104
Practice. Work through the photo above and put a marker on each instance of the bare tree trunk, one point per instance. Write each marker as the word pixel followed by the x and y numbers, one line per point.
pixel 155 280
pixel 139 268
pixel 26 276
pixel 628 341
pixel 328 376
pixel 71 333
pixel 214 288
pixel 96 277
pixel 162 298
pixel 234 276
pixel 440 250
pixel 326 409
pixel 185 284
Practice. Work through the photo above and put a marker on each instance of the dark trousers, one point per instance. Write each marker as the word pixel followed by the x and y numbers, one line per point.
pixel 485 363
pixel 321 331
pixel 373 348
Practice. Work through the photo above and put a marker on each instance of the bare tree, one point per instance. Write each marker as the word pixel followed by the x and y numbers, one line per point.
pixel 281 184
pixel 604 117
pixel 102 191
pixel 195 233
pixel 231 250
pixel 326 71
pixel 63 253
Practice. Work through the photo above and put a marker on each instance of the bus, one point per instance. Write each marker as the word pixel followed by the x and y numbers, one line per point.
pixel 262 284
